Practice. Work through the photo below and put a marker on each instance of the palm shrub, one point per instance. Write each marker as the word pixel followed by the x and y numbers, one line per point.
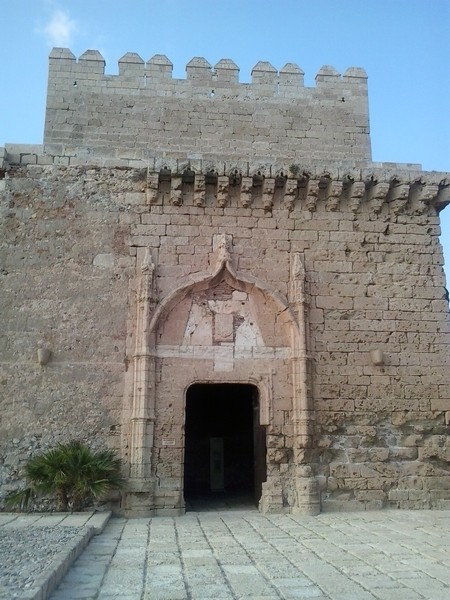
pixel 72 473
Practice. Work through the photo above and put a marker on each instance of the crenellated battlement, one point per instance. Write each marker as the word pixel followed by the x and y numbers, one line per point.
pixel 135 73
pixel 210 111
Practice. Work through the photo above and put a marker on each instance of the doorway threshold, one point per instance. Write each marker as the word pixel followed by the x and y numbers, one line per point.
pixel 220 501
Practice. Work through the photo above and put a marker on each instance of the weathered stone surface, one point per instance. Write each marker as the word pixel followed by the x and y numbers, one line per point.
pixel 319 284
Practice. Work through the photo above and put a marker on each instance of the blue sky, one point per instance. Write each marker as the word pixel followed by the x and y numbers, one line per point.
pixel 404 45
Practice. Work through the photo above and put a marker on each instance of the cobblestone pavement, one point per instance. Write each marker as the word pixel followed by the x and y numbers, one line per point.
pixel 398 555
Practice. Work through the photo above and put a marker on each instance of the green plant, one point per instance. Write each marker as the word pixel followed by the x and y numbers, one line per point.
pixel 72 473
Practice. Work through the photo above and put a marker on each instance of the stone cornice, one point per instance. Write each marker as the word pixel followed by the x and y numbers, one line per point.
pixel 402 187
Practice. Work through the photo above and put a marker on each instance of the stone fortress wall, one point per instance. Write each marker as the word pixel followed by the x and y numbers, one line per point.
pixel 143 112
pixel 316 277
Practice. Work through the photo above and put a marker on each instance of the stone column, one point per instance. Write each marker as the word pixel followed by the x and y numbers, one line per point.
pixel 141 483
pixel 271 500
pixel 303 412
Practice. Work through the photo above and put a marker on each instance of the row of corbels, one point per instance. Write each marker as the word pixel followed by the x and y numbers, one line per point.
pixel 309 189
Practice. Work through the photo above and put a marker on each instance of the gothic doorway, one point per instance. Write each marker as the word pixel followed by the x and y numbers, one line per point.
pixel 225 446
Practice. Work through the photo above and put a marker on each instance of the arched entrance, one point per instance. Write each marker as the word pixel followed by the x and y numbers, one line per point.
pixel 225 327
pixel 225 447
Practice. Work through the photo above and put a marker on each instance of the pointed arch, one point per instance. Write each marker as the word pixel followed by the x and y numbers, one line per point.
pixel 224 271
pixel 155 351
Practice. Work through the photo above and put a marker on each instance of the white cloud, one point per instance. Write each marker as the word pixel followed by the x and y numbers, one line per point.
pixel 59 29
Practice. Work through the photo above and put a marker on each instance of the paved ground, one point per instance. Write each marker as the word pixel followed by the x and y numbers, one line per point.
pixel 37 549
pixel 387 555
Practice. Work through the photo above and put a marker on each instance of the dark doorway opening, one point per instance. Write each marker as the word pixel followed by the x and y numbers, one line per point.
pixel 225 447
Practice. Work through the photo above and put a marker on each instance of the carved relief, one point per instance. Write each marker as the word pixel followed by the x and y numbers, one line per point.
pixel 231 319
pixel 358 189
pixel 378 194
pixel 333 196
pixel 152 188
pixel 222 244
pixel 306 492
pixel 398 198
pixel 297 280
pixel 312 196
pixel 268 192
pixel 246 191
pixel 195 188
pixel 176 191
pixel 426 196
pixel 223 184
pixel 142 416
pixel 291 193
pixel 199 190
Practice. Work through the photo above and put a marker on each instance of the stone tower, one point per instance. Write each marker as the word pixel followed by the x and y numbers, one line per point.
pixel 225 288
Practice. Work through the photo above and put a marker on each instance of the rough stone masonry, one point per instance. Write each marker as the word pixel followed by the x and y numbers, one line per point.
pixel 215 279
